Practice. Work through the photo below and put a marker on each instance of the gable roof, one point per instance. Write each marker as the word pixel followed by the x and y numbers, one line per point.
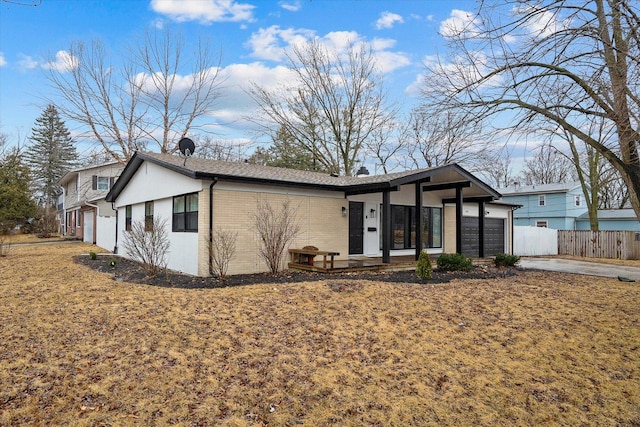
pixel 198 168
pixel 516 190
pixel 612 214
pixel 73 172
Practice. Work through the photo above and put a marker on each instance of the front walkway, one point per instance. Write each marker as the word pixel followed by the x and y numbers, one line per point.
pixel 580 267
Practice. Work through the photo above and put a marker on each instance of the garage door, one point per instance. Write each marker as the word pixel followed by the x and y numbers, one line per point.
pixel 493 237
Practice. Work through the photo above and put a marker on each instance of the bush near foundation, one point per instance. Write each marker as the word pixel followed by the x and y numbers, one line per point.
pixel 424 270
pixel 505 260
pixel 454 262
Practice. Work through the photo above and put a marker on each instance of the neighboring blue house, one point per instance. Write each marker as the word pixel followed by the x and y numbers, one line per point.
pixel 611 219
pixel 549 205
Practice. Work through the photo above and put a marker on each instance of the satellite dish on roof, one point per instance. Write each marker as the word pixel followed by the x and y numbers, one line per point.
pixel 186 147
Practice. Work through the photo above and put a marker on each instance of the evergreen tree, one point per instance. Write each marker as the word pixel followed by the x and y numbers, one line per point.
pixel 16 204
pixel 50 155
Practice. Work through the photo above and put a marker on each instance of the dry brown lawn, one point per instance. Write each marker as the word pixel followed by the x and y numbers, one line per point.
pixel 539 348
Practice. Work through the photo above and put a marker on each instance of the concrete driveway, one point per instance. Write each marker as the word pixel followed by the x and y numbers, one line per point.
pixel 579 267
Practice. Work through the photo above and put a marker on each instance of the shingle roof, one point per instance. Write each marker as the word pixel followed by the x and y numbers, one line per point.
pixel 513 190
pixel 198 168
pixel 611 214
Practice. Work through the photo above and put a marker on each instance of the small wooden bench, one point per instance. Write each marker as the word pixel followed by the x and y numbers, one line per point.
pixel 308 254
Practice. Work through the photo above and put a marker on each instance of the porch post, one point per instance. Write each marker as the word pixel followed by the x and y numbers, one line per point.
pixel 386 227
pixel 459 219
pixel 418 217
pixel 481 214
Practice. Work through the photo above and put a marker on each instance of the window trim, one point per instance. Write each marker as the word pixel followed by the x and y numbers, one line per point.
pixel 409 227
pixel 542 200
pixel 542 223
pixel 148 218
pixel 180 220
pixel 104 180
pixel 127 217
pixel 577 201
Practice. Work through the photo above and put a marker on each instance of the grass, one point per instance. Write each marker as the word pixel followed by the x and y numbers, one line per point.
pixel 539 348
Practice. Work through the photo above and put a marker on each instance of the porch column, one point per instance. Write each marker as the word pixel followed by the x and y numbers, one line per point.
pixel 481 214
pixel 459 206
pixel 418 219
pixel 386 227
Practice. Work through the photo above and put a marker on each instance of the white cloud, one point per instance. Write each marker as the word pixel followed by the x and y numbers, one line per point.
pixel 27 63
pixel 388 20
pixel 63 62
pixel 291 6
pixel 460 24
pixel 271 43
pixel 3 61
pixel 449 76
pixel 545 23
pixel 158 23
pixel 204 11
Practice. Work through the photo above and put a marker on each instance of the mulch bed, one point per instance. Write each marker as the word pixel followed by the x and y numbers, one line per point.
pixel 130 271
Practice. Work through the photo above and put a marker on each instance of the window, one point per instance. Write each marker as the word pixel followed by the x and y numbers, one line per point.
pixel 541 200
pixel 185 213
pixel 127 218
pixel 78 218
pixel 578 200
pixel 148 216
pixel 541 224
pixel 100 182
pixel 403 223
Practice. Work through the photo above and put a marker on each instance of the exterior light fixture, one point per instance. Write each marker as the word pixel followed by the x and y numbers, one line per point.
pixel 344 211
pixel 372 213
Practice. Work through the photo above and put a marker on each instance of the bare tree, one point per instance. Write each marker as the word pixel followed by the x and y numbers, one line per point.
pixel 276 230
pixel 219 149
pixel 436 138
pixel 512 55
pixel 152 99
pixel 331 108
pixel 548 166
pixel 386 147
pixel 148 244
pixel 222 249
pixel 496 169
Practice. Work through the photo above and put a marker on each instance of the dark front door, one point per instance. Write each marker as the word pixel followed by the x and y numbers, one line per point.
pixel 356 227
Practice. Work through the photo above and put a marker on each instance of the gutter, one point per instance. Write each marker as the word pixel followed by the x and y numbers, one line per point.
pixel 214 182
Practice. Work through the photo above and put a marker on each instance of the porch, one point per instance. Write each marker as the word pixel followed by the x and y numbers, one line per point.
pixel 355 264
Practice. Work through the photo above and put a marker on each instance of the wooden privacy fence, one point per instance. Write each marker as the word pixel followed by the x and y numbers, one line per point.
pixel 599 244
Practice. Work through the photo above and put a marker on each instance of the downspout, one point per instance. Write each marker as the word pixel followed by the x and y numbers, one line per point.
pixel 214 182
pixel 115 248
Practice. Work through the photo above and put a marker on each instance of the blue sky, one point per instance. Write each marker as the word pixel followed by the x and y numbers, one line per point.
pixel 251 35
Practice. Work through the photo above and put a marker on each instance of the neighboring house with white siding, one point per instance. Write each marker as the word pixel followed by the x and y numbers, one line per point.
pixel 83 204
pixel 371 216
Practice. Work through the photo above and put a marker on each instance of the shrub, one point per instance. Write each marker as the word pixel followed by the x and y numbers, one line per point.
pixel 276 229
pixel 423 266
pixel 454 262
pixel 93 255
pixel 506 260
pixel 149 247
pixel 222 249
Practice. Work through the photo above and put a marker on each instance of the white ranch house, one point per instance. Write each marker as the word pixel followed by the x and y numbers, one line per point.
pixel 370 216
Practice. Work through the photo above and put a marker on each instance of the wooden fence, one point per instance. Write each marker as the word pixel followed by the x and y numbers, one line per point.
pixel 599 244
